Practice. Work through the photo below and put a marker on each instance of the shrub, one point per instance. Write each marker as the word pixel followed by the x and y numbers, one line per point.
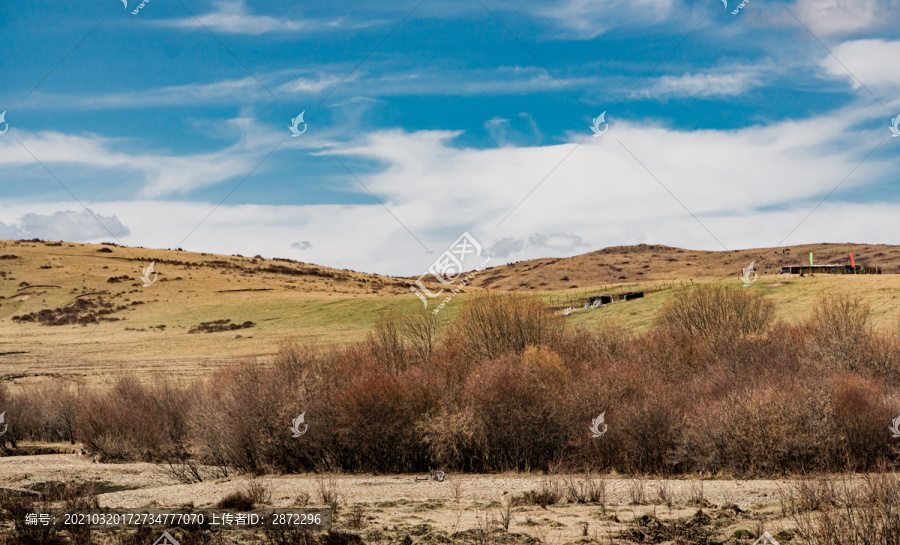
pixel 717 313
pixel 523 421
pixel 239 500
pixel 132 421
pixel 376 418
pixel 387 345
pixel 865 513
pixel 549 492
pixel 493 324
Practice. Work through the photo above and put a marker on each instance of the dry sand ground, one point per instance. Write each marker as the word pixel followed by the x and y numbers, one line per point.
pixel 397 505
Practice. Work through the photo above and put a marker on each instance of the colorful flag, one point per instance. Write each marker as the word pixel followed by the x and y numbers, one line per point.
pixel 852 262
pixel 810 258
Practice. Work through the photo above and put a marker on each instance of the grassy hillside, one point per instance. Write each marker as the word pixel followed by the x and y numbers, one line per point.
pixel 146 328
pixel 642 263
pixel 112 323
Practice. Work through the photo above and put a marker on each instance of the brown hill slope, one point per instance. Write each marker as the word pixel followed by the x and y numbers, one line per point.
pixel 626 264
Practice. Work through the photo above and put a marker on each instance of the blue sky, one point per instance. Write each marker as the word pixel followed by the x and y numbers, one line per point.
pixel 428 119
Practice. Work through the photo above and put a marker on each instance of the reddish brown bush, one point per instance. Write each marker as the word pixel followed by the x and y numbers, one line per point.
pixel 494 324
pixel 508 387
pixel 132 421
pixel 718 314
pixel 376 419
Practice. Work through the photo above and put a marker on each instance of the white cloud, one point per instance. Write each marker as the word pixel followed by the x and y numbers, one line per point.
pixel 305 245
pixel 392 80
pixel 521 131
pixel 826 18
pixel 313 85
pixel 728 81
pixel 64 225
pixel 872 62
pixel 750 187
pixel 562 242
pixel 161 174
pixel 232 17
pixel 585 19
pixel 506 246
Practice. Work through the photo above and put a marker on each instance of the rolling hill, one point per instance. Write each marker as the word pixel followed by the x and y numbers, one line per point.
pixel 643 263
pixel 81 311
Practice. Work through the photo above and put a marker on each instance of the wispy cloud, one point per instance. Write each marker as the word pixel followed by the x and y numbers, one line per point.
pixel 232 17
pixel 388 81
pixel 826 18
pixel 768 177
pixel 586 19
pixel 727 81
pixel 160 174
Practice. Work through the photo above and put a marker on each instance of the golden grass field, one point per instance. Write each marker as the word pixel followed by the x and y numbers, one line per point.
pixel 325 306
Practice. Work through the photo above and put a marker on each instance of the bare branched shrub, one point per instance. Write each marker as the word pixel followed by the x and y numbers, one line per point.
pixel 329 492
pixel 664 493
pixel 493 324
pixel 357 517
pixel 637 490
pixel 587 489
pixel 510 388
pixel 258 492
pixel 421 330
pixel 840 330
pixel 133 421
pixel 375 418
pixel 841 336
pixel 697 495
pixel 844 513
pixel 717 313
pixel 453 439
pixel 505 514
pixel 766 430
pixel 386 343
pixel 549 492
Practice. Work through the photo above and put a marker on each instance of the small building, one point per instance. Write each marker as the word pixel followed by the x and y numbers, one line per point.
pixel 828 269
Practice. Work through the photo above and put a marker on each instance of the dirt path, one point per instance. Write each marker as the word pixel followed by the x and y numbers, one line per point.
pixel 398 505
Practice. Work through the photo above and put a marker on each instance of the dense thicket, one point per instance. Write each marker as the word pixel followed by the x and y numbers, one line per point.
pixel 715 386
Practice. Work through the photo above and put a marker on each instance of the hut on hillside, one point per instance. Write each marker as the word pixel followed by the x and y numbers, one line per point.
pixel 829 269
